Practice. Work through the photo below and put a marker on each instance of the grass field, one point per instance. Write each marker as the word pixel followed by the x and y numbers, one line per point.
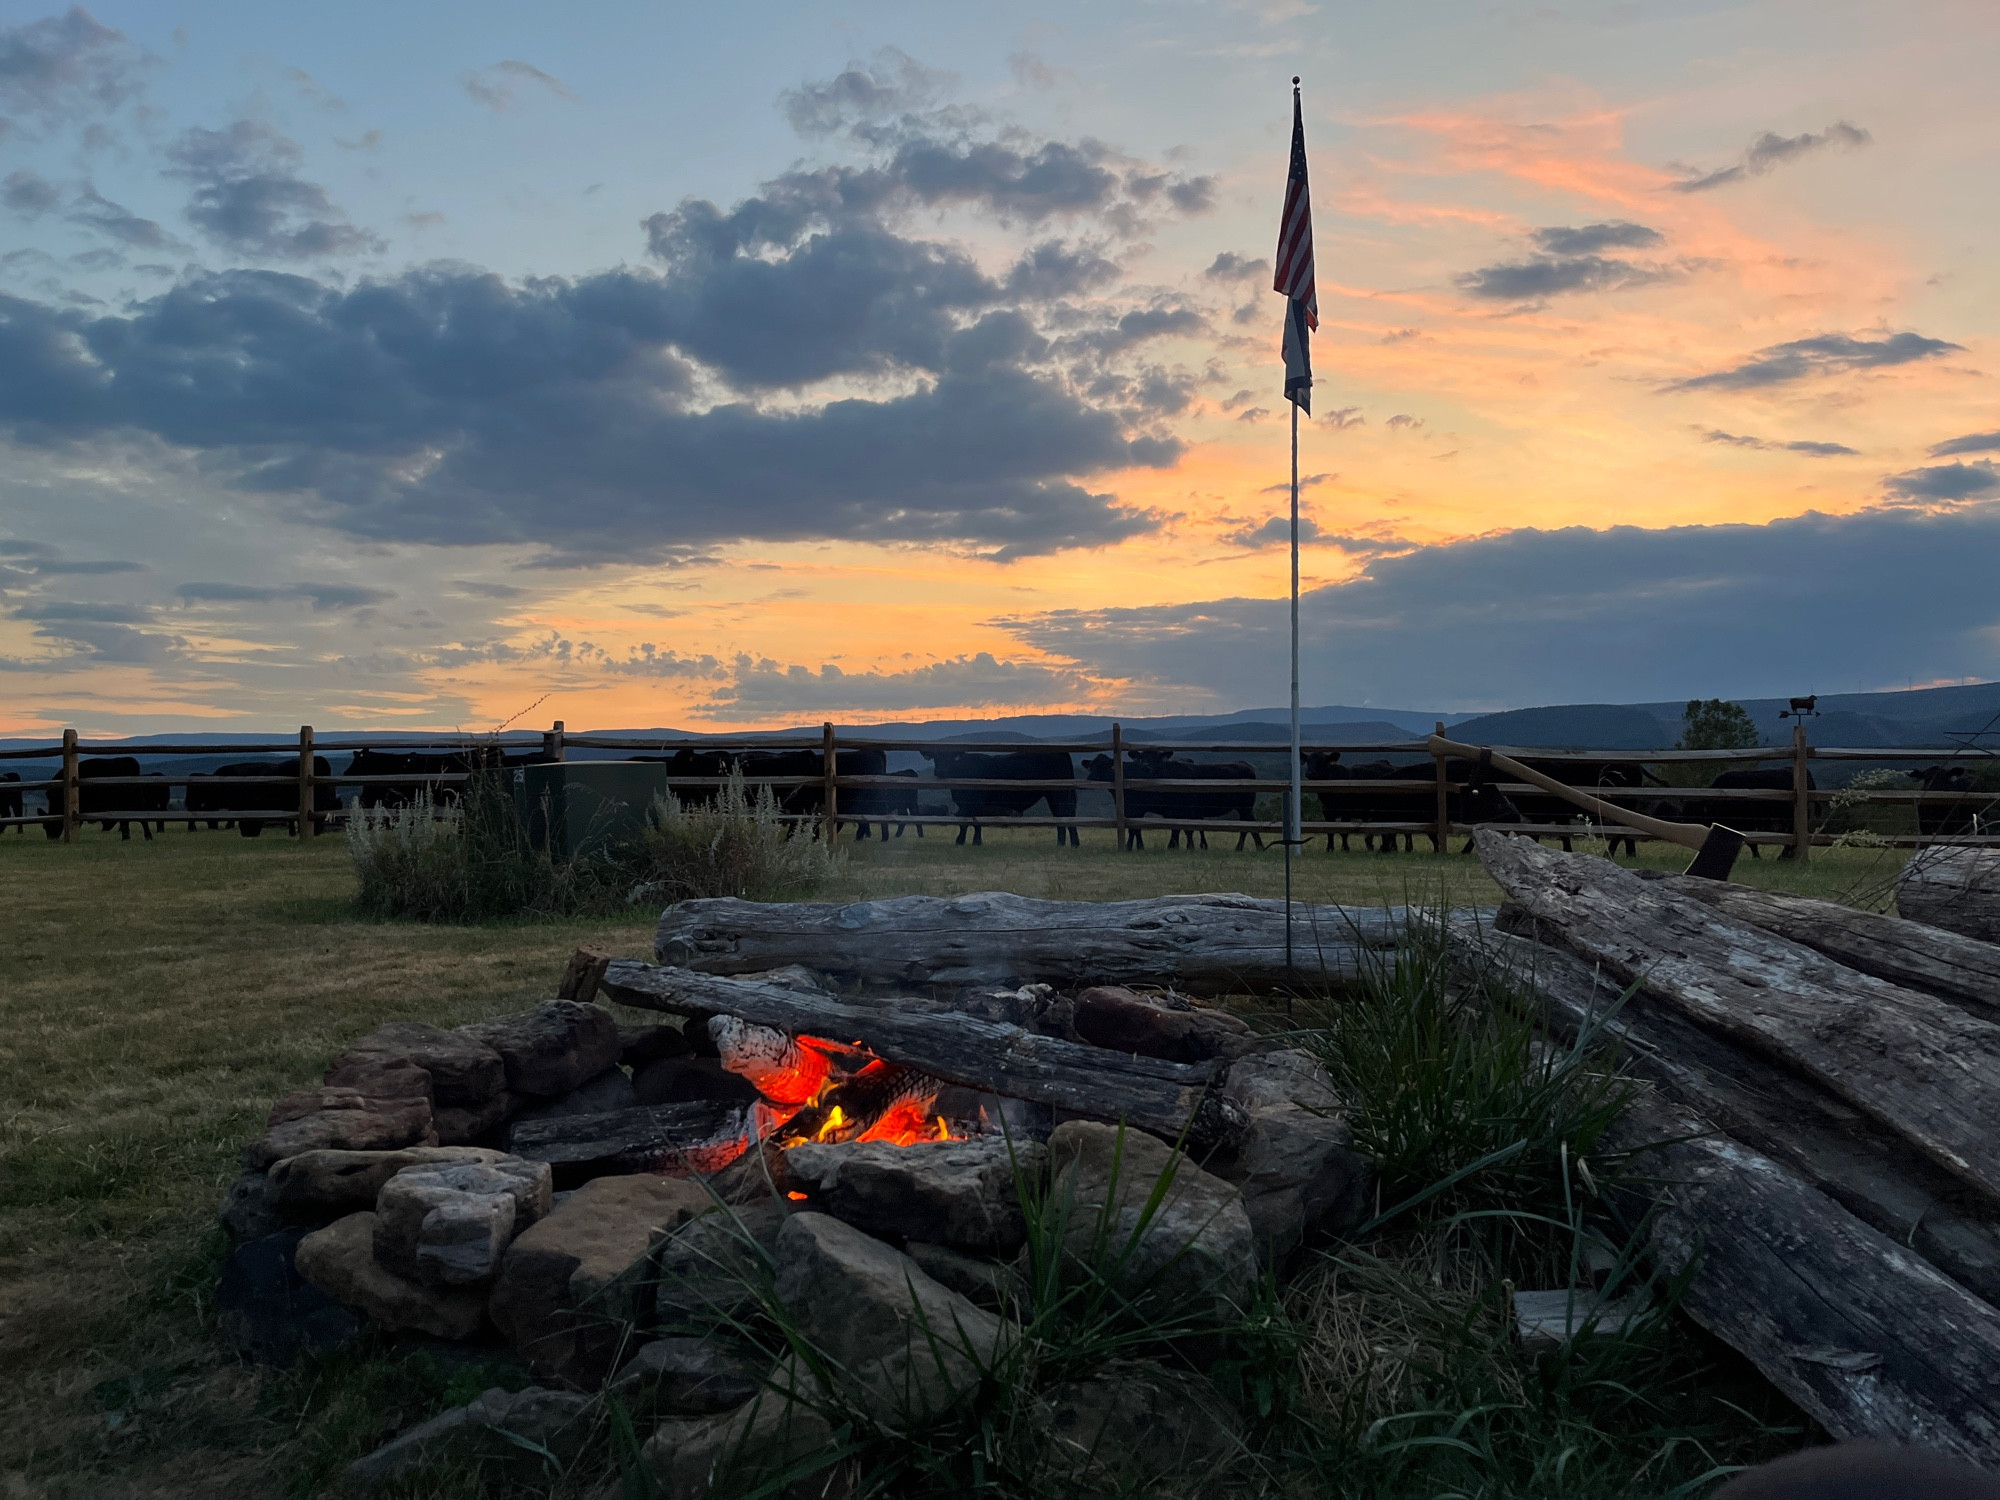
pixel 155 998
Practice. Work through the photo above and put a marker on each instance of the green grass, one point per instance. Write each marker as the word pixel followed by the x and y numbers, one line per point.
pixel 156 997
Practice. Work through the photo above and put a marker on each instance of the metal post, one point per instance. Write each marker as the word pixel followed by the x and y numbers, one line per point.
pixel 1443 801
pixel 1801 795
pixel 1292 809
pixel 830 771
pixel 72 790
pixel 1118 784
pixel 305 781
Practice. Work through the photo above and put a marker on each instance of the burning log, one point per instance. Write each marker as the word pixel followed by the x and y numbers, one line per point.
pixel 1200 944
pixel 1165 1098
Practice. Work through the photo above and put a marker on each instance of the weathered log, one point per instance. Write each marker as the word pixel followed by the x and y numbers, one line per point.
pixel 1920 1066
pixel 1871 1173
pixel 1913 954
pixel 1162 1097
pixel 1212 944
pixel 1956 889
pixel 1860 1332
pixel 672 1139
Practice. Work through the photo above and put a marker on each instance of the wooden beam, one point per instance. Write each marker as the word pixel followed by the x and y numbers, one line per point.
pixel 1920 1066
pixel 1210 944
pixel 1160 1097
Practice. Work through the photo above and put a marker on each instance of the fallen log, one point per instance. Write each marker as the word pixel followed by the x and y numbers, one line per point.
pixel 1874 1175
pixel 1860 1332
pixel 678 1140
pixel 1920 1066
pixel 1911 953
pixel 1164 1098
pixel 1956 889
pixel 1213 944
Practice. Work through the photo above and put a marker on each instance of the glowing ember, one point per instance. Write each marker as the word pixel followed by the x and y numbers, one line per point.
pixel 784 1070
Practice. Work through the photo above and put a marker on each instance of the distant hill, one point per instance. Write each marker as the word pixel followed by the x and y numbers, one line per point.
pixel 1577 726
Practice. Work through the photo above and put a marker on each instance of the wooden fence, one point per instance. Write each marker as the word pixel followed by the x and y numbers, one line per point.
pixel 1806 823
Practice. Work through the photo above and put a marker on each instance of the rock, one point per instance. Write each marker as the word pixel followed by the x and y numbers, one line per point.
pixel 341 1182
pixel 266 1310
pixel 684 1080
pixel 958 1193
pixel 481 1433
pixel 378 1078
pixel 685 1377
pixel 1123 1020
pixel 639 1045
pixel 990 1284
pixel 340 1261
pixel 449 1225
pixel 608 1091
pixel 570 1285
pixel 1141 1428
pixel 910 1346
pixel 1194 1253
pixel 344 1119
pixel 1547 1320
pixel 461 1125
pixel 553 1048
pixel 708 1271
pixel 1294 1159
pixel 684 1139
pixel 248 1210
pixel 744 1451
pixel 464 1071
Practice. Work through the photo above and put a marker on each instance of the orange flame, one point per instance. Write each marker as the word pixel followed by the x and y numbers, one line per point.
pixel 904 1124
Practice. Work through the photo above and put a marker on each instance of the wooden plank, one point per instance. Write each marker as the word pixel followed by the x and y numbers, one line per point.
pixel 1921 1066
pixel 1870 1172
pixel 1862 1333
pixel 1913 954
pixel 1958 891
pixel 1156 1096
pixel 1212 944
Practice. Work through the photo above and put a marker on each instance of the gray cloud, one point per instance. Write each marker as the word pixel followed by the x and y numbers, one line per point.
pixel 895 84
pixel 248 196
pixel 767 687
pixel 96 212
pixel 1229 266
pixel 1306 482
pixel 1946 483
pixel 1542 276
pixel 1823 354
pixel 1590 239
pixel 67 68
pixel 322 596
pixel 1809 449
pixel 498 86
pixel 1770 151
pixel 480 588
pixel 1577 615
pixel 1274 531
pixel 1972 442
pixel 28 194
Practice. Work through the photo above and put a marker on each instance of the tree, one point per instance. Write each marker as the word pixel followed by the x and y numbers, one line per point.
pixel 1715 724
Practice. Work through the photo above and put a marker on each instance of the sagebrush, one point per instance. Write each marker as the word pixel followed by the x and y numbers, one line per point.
pixel 735 845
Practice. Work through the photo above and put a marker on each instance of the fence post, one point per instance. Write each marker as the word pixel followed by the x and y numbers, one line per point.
pixel 1118 782
pixel 71 788
pixel 1801 795
pixel 1443 802
pixel 552 742
pixel 829 771
pixel 305 781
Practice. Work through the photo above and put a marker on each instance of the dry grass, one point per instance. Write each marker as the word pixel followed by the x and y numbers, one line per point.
pixel 154 999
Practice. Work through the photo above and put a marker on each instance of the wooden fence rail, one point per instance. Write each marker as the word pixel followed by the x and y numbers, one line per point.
pixel 1429 798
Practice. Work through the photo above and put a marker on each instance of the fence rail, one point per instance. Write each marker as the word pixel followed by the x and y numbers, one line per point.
pixel 1944 816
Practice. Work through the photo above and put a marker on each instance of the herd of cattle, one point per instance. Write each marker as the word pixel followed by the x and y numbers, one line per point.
pixel 249 795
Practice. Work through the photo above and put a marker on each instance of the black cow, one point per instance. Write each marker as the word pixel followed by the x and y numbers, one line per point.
pixel 11 799
pixel 684 765
pixel 887 802
pixel 1178 804
pixel 222 794
pixel 975 803
pixel 1325 765
pixel 1475 799
pixel 106 805
pixel 1537 806
pixel 1943 819
pixel 1749 816
pixel 423 770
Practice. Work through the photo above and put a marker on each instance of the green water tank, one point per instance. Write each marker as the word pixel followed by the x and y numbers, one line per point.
pixel 584 806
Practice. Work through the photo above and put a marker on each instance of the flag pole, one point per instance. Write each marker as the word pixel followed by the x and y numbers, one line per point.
pixel 1294 811
pixel 1293 276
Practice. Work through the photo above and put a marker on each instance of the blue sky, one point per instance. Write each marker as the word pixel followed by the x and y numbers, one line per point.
pixel 407 364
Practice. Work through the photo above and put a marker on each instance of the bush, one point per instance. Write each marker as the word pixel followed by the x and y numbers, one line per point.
pixel 733 846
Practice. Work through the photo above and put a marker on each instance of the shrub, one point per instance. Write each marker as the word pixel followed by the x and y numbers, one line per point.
pixel 733 846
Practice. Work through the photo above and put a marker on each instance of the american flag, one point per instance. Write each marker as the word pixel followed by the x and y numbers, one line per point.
pixel 1294 275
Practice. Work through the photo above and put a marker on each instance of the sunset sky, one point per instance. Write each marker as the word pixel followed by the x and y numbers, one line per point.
pixel 639 364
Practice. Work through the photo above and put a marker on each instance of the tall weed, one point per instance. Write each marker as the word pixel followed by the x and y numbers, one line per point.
pixel 733 846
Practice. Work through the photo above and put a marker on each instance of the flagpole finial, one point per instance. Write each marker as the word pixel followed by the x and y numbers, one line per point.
pixel 1295 80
